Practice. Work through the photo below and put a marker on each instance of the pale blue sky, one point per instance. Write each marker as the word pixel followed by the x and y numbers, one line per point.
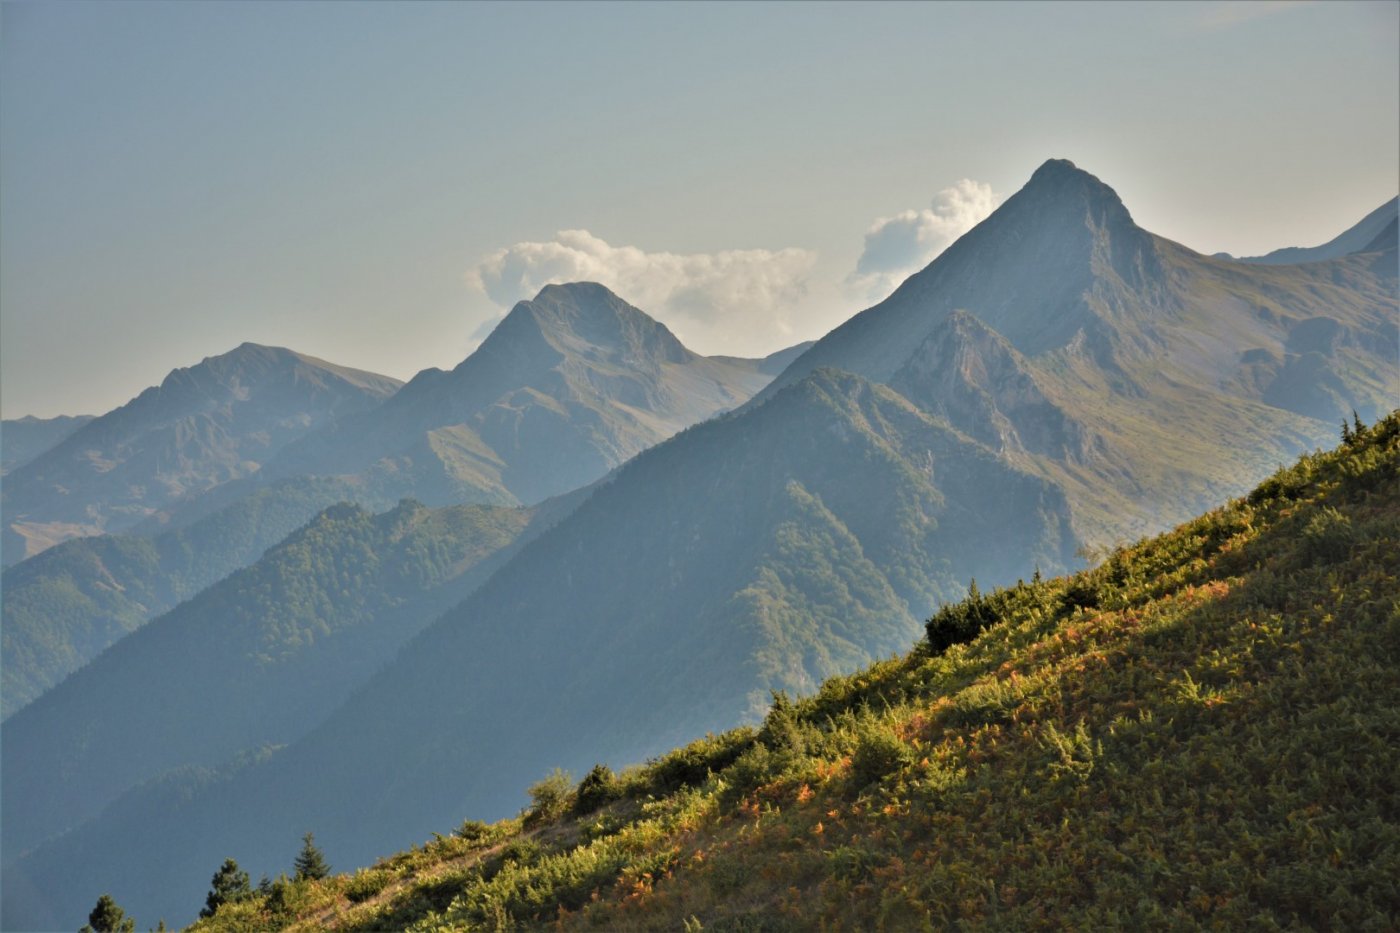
pixel 178 178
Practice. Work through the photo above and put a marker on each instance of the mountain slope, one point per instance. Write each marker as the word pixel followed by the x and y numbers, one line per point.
pixel 256 659
pixel 23 439
pixel 204 425
pixel 65 605
pixel 568 386
pixel 1374 232
pixel 754 552
pixel 1201 732
pixel 1144 354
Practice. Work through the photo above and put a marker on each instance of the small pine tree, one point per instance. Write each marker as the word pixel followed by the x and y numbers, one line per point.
pixel 229 884
pixel 311 861
pixel 107 917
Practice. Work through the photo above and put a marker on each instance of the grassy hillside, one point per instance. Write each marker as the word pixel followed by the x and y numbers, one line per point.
pixel 1203 730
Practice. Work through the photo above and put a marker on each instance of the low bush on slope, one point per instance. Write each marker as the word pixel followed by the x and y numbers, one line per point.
pixel 1202 731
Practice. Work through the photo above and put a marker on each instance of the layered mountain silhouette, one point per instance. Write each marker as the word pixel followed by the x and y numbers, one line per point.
pixel 65 605
pixel 204 425
pixel 23 439
pixel 1057 375
pixel 567 386
pixel 254 660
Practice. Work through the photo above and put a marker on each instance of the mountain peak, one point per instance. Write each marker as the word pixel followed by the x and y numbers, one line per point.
pixel 1062 180
pixel 1053 168
pixel 586 317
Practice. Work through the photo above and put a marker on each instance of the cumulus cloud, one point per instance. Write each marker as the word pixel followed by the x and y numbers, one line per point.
pixel 896 247
pixel 703 297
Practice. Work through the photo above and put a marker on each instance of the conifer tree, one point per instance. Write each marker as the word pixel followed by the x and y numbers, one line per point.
pixel 107 917
pixel 311 861
pixel 229 884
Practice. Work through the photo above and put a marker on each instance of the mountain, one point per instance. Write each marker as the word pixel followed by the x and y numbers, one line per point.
pixel 203 425
pixel 1375 232
pixel 65 605
pixel 750 553
pixel 568 386
pixel 254 660
pixel 1196 734
pixel 1056 375
pixel 1145 379
pixel 23 439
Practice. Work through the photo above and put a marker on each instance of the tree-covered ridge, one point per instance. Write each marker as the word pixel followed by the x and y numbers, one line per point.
pixel 256 659
pixel 64 606
pixel 1204 730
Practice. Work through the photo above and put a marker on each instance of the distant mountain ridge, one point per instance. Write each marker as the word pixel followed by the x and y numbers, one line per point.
pixel 23 439
pixel 203 425
pixel 1375 232
pixel 569 385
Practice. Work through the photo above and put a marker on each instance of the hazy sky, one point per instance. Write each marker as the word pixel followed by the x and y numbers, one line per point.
pixel 375 183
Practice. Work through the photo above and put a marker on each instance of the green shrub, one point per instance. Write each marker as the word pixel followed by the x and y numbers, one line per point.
pixel 1328 536
pixel 366 883
pixel 549 798
pixel 475 831
pixel 957 623
pixel 1083 592
pixel 598 788
pixel 692 765
pixel 878 753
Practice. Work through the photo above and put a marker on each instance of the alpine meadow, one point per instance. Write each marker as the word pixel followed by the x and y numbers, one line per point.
pixel 693 531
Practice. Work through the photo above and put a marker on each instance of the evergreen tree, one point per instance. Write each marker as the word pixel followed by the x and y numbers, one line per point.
pixel 229 884
pixel 107 917
pixel 311 862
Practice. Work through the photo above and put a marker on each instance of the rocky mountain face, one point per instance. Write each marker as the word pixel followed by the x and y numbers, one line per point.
pixel 568 386
pixel 1108 359
pixel 204 425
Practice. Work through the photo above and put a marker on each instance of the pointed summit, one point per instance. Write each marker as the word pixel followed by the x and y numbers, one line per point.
pixel 1061 182
pixel 1047 270
pixel 569 384
pixel 587 316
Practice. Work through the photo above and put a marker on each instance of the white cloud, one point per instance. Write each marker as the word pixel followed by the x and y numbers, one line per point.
pixel 703 297
pixel 896 247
